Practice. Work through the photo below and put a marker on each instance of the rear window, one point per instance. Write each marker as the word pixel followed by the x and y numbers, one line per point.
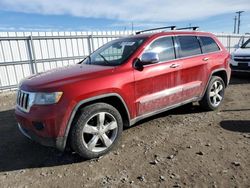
pixel 208 45
pixel 189 46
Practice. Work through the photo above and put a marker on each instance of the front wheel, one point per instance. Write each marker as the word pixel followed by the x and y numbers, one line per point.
pixel 96 131
pixel 214 94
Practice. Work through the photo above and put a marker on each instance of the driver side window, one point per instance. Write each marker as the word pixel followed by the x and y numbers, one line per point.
pixel 164 47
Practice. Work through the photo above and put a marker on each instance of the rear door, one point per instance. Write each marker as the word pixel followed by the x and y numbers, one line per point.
pixel 157 86
pixel 193 66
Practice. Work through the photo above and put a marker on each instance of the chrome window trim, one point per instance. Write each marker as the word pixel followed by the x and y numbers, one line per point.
pixel 181 58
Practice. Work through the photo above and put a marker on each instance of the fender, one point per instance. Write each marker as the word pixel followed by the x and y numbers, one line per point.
pixel 214 71
pixel 61 141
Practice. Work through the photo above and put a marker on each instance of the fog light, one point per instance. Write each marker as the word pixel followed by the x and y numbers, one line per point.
pixel 38 125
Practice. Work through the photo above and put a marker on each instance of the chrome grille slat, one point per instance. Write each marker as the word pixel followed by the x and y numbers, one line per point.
pixel 26 101
pixel 21 104
pixel 23 100
pixel 18 95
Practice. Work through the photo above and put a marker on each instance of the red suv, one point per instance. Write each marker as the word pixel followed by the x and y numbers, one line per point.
pixel 87 105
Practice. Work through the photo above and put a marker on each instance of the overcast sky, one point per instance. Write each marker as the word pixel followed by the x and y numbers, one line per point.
pixel 211 15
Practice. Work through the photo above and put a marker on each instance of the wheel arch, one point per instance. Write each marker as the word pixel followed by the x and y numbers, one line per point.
pixel 113 99
pixel 222 73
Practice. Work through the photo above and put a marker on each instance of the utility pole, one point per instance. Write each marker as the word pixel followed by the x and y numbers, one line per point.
pixel 235 24
pixel 239 14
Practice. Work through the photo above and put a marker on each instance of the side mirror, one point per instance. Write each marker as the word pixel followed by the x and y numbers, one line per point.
pixel 149 57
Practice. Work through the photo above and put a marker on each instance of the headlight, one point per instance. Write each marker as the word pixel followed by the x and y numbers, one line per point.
pixel 47 98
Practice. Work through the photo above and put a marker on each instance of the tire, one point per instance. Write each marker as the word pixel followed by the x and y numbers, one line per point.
pixel 96 131
pixel 214 94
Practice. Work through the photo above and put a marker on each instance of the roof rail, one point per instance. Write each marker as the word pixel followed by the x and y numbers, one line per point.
pixel 158 28
pixel 184 28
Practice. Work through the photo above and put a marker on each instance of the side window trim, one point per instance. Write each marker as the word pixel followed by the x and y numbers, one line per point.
pixel 176 47
pixel 200 43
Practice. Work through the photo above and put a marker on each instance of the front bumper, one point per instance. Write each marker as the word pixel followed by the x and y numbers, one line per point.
pixel 50 142
pixel 240 66
pixel 43 125
pixel 58 143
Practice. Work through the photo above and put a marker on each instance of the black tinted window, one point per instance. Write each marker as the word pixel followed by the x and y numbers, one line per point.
pixel 209 45
pixel 189 45
pixel 164 47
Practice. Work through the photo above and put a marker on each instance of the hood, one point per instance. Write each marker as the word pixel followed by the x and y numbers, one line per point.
pixel 242 52
pixel 64 75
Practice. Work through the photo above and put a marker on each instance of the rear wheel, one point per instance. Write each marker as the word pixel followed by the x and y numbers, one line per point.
pixel 214 94
pixel 96 131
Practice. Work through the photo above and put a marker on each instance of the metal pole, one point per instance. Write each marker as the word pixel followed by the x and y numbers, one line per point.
pixel 89 44
pixel 235 24
pixel 33 54
pixel 239 13
pixel 30 55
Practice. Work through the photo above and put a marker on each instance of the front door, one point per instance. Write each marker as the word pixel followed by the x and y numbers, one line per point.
pixel 157 86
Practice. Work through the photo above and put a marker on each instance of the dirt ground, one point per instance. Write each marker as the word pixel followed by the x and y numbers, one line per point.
pixel 185 147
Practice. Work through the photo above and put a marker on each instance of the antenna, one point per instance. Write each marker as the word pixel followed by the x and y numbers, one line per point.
pixel 193 28
pixel 158 28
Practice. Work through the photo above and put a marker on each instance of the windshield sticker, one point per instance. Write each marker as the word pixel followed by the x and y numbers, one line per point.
pixel 127 43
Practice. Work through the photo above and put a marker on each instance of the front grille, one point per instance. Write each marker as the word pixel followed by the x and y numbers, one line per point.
pixel 23 100
pixel 243 60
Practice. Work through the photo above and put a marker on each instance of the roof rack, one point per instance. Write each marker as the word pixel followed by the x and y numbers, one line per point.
pixel 184 28
pixel 158 28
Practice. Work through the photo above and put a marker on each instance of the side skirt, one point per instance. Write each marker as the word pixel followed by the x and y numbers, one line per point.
pixel 135 120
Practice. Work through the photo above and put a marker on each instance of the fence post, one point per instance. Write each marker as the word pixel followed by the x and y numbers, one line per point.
pixel 31 54
pixel 89 44
pixel 92 43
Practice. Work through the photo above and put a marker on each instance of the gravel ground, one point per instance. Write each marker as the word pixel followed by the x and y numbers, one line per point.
pixel 185 147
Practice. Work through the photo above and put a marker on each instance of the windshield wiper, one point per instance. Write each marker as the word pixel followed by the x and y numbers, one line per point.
pixel 106 61
pixel 87 57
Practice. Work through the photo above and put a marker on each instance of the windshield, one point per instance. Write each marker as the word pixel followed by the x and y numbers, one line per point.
pixel 115 52
pixel 246 44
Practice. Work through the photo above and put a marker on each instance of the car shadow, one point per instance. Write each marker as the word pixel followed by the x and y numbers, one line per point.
pixel 189 108
pixel 242 126
pixel 240 78
pixel 17 152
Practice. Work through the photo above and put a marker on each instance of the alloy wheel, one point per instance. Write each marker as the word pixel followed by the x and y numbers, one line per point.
pixel 100 132
pixel 216 93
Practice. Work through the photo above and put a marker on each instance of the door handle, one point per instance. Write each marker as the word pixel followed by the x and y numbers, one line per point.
pixel 174 65
pixel 205 59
